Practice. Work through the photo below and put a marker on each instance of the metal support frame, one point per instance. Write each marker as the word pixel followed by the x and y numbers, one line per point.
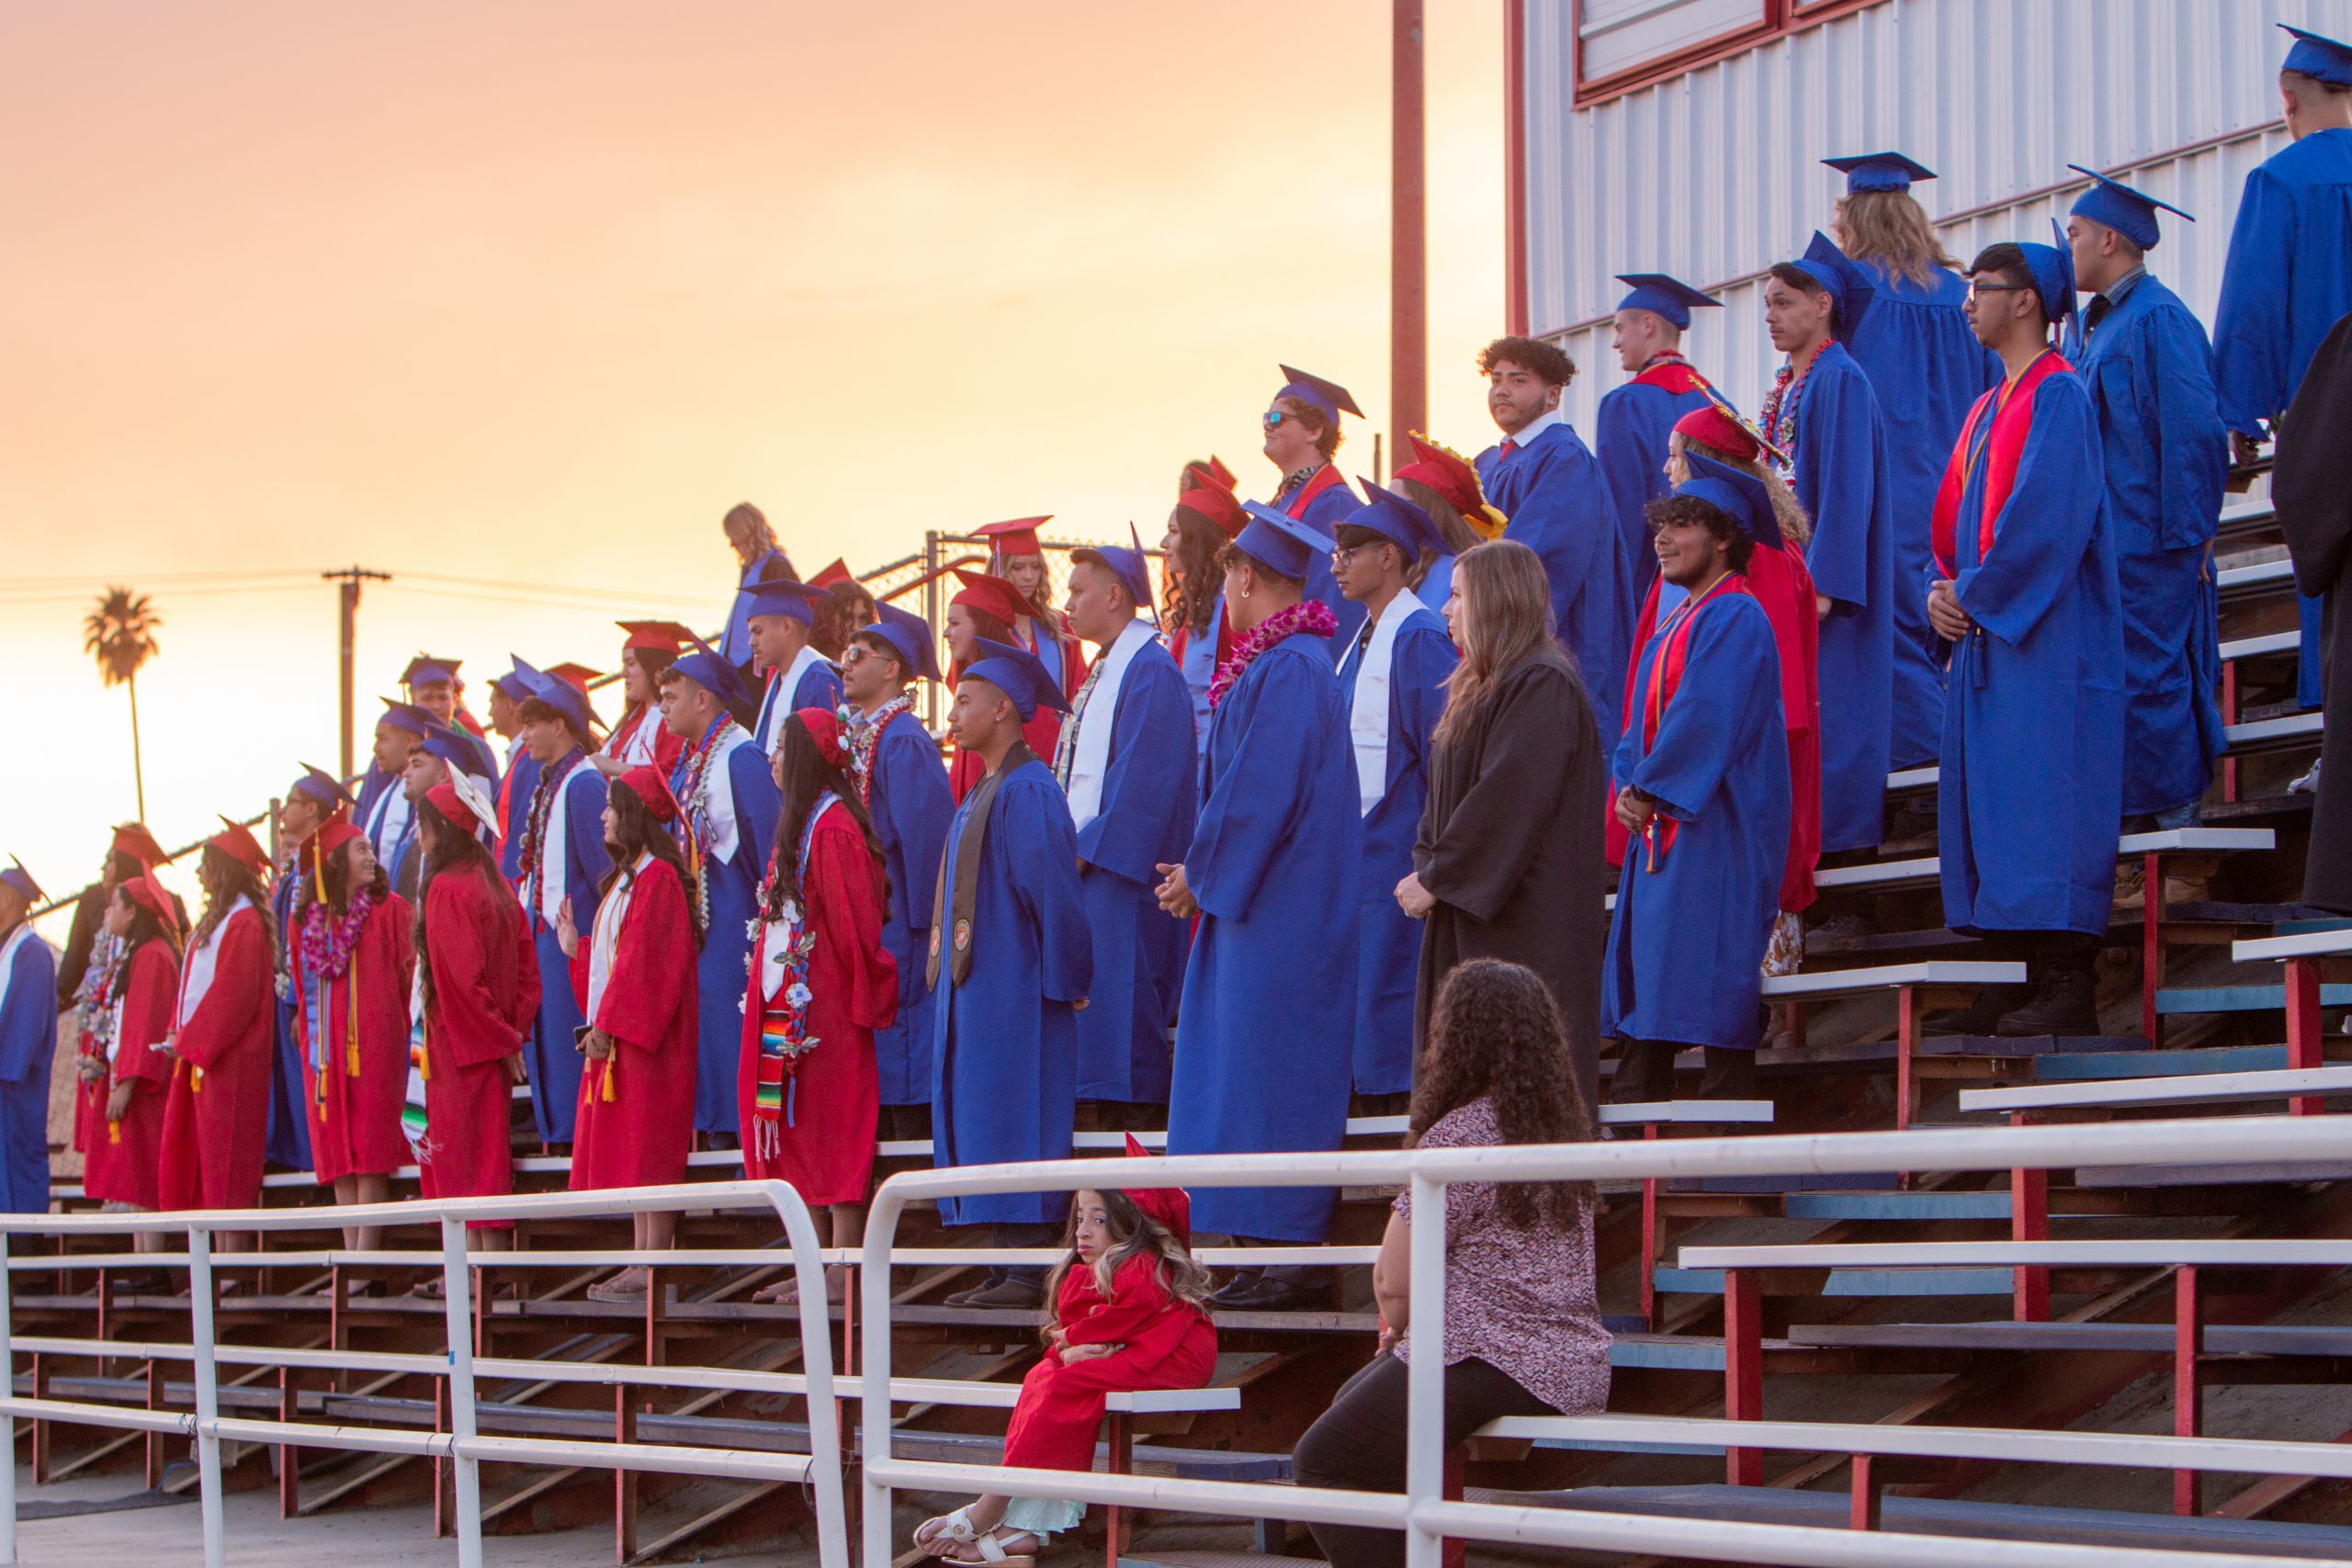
pixel 2188 1381
pixel 2304 1046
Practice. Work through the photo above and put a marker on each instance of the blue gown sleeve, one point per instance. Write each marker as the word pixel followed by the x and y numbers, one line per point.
pixel 1562 517
pixel 1418 664
pixel 2046 525
pixel 1841 423
pixel 920 807
pixel 819 688
pixel 757 806
pixel 590 862
pixel 2192 446
pixel 1730 690
pixel 2250 343
pixel 1149 781
pixel 28 1018
pixel 1626 436
pixel 1250 815
pixel 1045 882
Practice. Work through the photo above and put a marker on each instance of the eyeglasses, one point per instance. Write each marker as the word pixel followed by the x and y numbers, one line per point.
pixel 1274 418
pixel 1342 554
pixel 1974 287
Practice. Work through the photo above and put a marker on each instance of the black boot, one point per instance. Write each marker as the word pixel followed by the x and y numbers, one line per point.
pixel 1644 1071
pixel 1730 1074
pixel 2065 1002
pixel 1979 1017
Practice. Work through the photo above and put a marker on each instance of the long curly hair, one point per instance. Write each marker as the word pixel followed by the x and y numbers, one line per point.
pixel 225 879
pixel 1495 1034
pixel 806 775
pixel 1890 229
pixel 449 849
pixel 1191 582
pixel 1181 1274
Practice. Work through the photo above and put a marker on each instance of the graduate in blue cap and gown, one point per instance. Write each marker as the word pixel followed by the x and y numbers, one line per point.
pixel 728 808
pixel 564 865
pixel 1702 774
pixel 28 1045
pixel 1822 413
pixel 762 560
pixel 518 774
pixel 1630 426
pixel 788 670
pixel 1926 368
pixel 434 684
pixel 1126 763
pixel 1010 962
pixel 2032 788
pixel 2144 358
pixel 444 751
pixel 1542 476
pixel 1302 425
pixel 313 799
pixel 1393 677
pixel 385 815
pixel 1271 873
pixel 2289 275
pixel 903 785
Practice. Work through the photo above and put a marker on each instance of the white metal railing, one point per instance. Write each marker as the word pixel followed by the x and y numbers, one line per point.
pixel 463 1444
pixel 1422 1511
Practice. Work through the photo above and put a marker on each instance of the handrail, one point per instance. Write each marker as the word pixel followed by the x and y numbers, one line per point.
pixel 463 1444
pixel 1421 1510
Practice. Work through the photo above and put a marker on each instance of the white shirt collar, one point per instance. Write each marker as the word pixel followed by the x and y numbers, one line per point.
pixel 1537 426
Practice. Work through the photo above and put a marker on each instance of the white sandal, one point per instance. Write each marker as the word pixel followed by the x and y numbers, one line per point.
pixel 953 1528
pixel 992 1551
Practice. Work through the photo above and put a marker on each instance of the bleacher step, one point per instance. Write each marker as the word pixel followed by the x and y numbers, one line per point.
pixel 1900 1205
pixel 1872 1282
pixel 2173 1001
pixel 2069 1066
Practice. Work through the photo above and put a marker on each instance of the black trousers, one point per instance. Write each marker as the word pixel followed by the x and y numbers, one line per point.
pixel 1357 1445
pixel 1646 1072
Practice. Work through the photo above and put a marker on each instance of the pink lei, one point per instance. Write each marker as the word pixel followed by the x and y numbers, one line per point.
pixel 1311 617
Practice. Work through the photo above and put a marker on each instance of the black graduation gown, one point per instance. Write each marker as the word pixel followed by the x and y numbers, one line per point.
pixel 2311 484
pixel 1511 848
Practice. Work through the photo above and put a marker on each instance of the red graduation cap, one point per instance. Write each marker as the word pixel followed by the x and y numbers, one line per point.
pixel 577 675
pixel 1449 474
pixel 650 787
pixel 148 894
pixel 1211 474
pixel 132 838
pixel 1018 537
pixel 667 635
pixel 237 842
pixel 837 572
pixel 1215 502
pixel 994 594
pixel 1172 1206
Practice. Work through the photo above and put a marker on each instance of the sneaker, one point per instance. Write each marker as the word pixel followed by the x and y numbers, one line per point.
pixel 2065 1002
pixel 2132 884
pixel 2308 784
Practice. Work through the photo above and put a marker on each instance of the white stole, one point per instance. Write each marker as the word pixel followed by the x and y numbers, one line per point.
pixel 196 972
pixel 1368 715
pixel 552 842
pixel 605 940
pixel 387 823
pixel 635 748
pixel 719 793
pixel 780 690
pixel 1090 763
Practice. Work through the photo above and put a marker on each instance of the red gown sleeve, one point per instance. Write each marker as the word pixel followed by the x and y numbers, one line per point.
pixel 653 963
pixel 146 1017
pixel 240 982
pixel 1137 1300
pixel 471 1028
pixel 847 904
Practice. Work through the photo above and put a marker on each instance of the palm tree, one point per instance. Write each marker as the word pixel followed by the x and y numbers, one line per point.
pixel 120 635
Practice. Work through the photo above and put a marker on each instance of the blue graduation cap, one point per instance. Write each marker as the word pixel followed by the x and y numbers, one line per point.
pixel 2129 213
pixel 717 674
pixel 1738 495
pixel 516 683
pixel 1395 519
pixel 1664 296
pixel 18 877
pixel 1281 542
pixel 1850 288
pixel 322 787
pixel 1879 170
pixel 2052 269
pixel 408 717
pixel 2322 58
pixel 1126 565
pixel 782 597
pixel 1328 398
pixel 426 667
pixel 909 636
pixel 1016 672
pixel 565 698
pixel 453 747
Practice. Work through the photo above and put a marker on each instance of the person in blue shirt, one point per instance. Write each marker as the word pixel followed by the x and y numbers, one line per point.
pixel 2288 275
pixel 2031 787
pixel 1393 677
pixel 1542 476
pixel 1301 427
pixel 1630 426
pixel 2145 360
pixel 28 1045
pixel 760 560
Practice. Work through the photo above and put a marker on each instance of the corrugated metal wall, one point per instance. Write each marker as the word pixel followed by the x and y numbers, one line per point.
pixel 1714 175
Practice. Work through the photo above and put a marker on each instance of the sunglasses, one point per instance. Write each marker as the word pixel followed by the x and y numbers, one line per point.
pixel 1274 418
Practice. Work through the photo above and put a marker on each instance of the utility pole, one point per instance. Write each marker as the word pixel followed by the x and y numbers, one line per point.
pixel 349 579
pixel 1408 316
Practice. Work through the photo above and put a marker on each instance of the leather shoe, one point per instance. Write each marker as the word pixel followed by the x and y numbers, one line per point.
pixel 2065 1002
pixel 1274 1295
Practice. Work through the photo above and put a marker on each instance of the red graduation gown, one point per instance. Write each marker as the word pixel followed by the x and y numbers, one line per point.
pixel 355 1078
pixel 826 1149
pixel 121 1158
pixel 1164 1343
pixel 485 997
pixel 216 1113
pixel 636 1107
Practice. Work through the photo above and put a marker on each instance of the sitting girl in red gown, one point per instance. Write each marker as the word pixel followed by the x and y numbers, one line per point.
pixel 1129 1315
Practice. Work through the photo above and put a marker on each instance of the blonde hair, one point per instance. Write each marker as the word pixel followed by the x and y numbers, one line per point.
pixel 1134 1233
pixel 1796 525
pixel 1506 615
pixel 1891 228
pixel 753 524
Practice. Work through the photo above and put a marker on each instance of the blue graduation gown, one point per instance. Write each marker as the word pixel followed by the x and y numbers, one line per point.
pixel 736 641
pixel 1559 505
pixel 1629 437
pixel 554 1057
pixel 1841 479
pixel 1389 952
pixel 2288 279
pixel 2031 789
pixel 722 967
pixel 910 806
pixel 27 1049
pixel 1199 669
pixel 289 1142
pixel 522 782
pixel 1438 585
pixel 820 686
pixel 372 782
pixel 1686 943
pixel 1149 795
pixel 2167 457
pixel 1004 1044
pixel 1264 1035
pixel 1324 512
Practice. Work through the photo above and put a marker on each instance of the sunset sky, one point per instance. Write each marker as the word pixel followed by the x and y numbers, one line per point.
pixel 528 293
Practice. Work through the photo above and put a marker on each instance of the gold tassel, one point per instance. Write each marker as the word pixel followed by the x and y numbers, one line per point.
pixel 114 1132
pixel 351 1019
pixel 196 1080
pixel 606 1094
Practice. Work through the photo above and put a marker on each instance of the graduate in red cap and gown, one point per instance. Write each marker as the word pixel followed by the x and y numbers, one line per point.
pixel 118 1113
pixel 1207 517
pixel 28 1045
pixel 477 997
pixel 637 1093
pixel 1444 484
pixel 1630 426
pixel 639 739
pixel 216 1113
pixel 984 608
pixel 352 964
pixel 1018 556
pixel 820 984
pixel 1302 435
pixel 564 862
